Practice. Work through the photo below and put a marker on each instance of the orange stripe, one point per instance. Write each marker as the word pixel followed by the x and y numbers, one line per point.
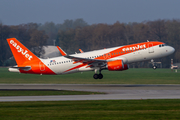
pixel 122 50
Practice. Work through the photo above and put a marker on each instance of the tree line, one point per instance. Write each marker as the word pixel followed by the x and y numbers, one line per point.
pixel 75 34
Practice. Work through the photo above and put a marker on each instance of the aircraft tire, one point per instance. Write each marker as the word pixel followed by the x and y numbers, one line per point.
pixel 154 67
pixel 95 76
pixel 100 76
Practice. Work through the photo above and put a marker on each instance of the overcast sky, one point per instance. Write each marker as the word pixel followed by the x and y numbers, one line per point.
pixel 14 12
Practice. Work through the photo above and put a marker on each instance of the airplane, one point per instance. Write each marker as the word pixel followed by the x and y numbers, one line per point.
pixel 113 59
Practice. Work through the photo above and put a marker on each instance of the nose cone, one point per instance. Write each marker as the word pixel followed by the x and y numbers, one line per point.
pixel 172 50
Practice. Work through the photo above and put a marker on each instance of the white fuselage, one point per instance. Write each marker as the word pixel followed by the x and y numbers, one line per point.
pixel 63 65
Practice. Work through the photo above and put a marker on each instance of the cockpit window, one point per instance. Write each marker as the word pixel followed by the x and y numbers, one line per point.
pixel 162 45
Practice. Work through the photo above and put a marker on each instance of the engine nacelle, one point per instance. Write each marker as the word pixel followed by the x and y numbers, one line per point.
pixel 117 65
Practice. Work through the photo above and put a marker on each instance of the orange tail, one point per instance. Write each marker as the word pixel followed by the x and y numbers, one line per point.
pixel 20 52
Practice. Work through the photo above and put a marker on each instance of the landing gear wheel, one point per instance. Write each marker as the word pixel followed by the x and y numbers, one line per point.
pixel 100 76
pixel 96 76
pixel 154 67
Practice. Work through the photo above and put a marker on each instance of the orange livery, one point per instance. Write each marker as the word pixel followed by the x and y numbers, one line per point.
pixel 113 59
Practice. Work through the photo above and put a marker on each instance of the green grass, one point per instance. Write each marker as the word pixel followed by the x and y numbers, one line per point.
pixel 43 92
pixel 92 110
pixel 131 76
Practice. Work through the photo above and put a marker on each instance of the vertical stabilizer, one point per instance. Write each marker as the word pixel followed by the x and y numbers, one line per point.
pixel 20 52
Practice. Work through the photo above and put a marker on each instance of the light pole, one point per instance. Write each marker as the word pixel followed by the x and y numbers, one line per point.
pixel 54 42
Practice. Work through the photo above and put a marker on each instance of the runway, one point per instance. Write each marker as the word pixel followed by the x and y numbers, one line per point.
pixel 113 92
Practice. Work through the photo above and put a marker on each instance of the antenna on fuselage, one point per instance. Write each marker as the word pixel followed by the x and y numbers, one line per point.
pixel 147 40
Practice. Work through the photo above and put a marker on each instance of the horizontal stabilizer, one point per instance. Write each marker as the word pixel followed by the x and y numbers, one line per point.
pixel 22 68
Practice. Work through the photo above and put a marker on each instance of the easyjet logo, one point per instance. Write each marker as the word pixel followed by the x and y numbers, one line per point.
pixel 20 50
pixel 134 47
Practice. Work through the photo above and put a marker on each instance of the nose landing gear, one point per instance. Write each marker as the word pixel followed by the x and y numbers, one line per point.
pixel 154 67
pixel 154 64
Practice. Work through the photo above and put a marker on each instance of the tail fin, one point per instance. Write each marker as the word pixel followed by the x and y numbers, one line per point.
pixel 61 51
pixel 20 52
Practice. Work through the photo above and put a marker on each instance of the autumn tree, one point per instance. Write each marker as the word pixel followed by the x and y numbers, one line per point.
pixel 37 41
pixel 173 37
pixel 5 52
pixel 158 29
pixel 51 31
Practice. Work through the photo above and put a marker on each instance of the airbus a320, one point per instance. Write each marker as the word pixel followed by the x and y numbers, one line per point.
pixel 113 59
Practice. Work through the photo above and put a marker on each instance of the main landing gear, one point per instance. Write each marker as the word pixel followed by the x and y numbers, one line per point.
pixel 97 76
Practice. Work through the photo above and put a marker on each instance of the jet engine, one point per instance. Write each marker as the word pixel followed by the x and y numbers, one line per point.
pixel 117 65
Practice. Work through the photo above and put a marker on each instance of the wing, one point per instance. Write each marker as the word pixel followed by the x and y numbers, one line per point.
pixel 90 62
